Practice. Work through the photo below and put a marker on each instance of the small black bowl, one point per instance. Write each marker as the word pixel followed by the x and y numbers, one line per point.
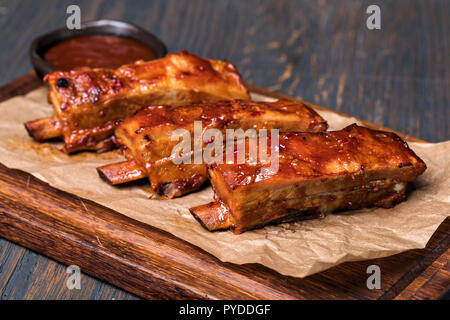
pixel 98 27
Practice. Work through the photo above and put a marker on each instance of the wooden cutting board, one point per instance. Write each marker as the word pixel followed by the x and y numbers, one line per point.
pixel 61 227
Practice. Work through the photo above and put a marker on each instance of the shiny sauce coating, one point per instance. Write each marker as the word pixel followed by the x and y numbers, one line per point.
pixel 97 51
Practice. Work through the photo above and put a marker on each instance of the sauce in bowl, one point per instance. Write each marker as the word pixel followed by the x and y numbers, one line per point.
pixel 97 51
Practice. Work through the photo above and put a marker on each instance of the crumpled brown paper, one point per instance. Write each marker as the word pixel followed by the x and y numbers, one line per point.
pixel 296 249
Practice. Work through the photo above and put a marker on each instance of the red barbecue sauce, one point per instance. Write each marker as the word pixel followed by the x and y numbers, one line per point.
pixel 99 51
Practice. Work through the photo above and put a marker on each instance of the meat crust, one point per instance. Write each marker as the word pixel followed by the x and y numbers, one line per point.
pixel 318 173
pixel 90 103
pixel 147 137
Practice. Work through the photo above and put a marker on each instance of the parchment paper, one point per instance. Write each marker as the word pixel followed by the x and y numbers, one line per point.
pixel 296 249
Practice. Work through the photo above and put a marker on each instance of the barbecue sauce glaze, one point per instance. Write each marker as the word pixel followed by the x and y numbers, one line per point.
pixel 97 51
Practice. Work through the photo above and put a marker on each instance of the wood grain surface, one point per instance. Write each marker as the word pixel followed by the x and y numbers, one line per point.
pixel 154 264
pixel 321 51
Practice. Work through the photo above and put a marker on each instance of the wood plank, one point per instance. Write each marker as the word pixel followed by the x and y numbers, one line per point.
pixel 432 281
pixel 317 50
pixel 368 124
pixel 154 264
pixel 135 256
pixel 20 86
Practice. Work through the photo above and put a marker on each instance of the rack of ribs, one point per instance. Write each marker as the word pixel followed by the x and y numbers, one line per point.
pixel 148 142
pixel 89 103
pixel 318 173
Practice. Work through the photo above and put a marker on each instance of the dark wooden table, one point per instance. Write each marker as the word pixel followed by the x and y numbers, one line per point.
pixel 321 51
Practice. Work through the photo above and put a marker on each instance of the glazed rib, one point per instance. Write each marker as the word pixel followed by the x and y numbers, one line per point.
pixel 318 173
pixel 89 103
pixel 121 172
pixel 44 129
pixel 147 137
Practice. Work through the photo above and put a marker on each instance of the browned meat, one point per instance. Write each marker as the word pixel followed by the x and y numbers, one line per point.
pixel 89 103
pixel 318 173
pixel 148 138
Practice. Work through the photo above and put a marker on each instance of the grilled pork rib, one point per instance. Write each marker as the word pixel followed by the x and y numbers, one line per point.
pixel 318 173
pixel 89 103
pixel 148 138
